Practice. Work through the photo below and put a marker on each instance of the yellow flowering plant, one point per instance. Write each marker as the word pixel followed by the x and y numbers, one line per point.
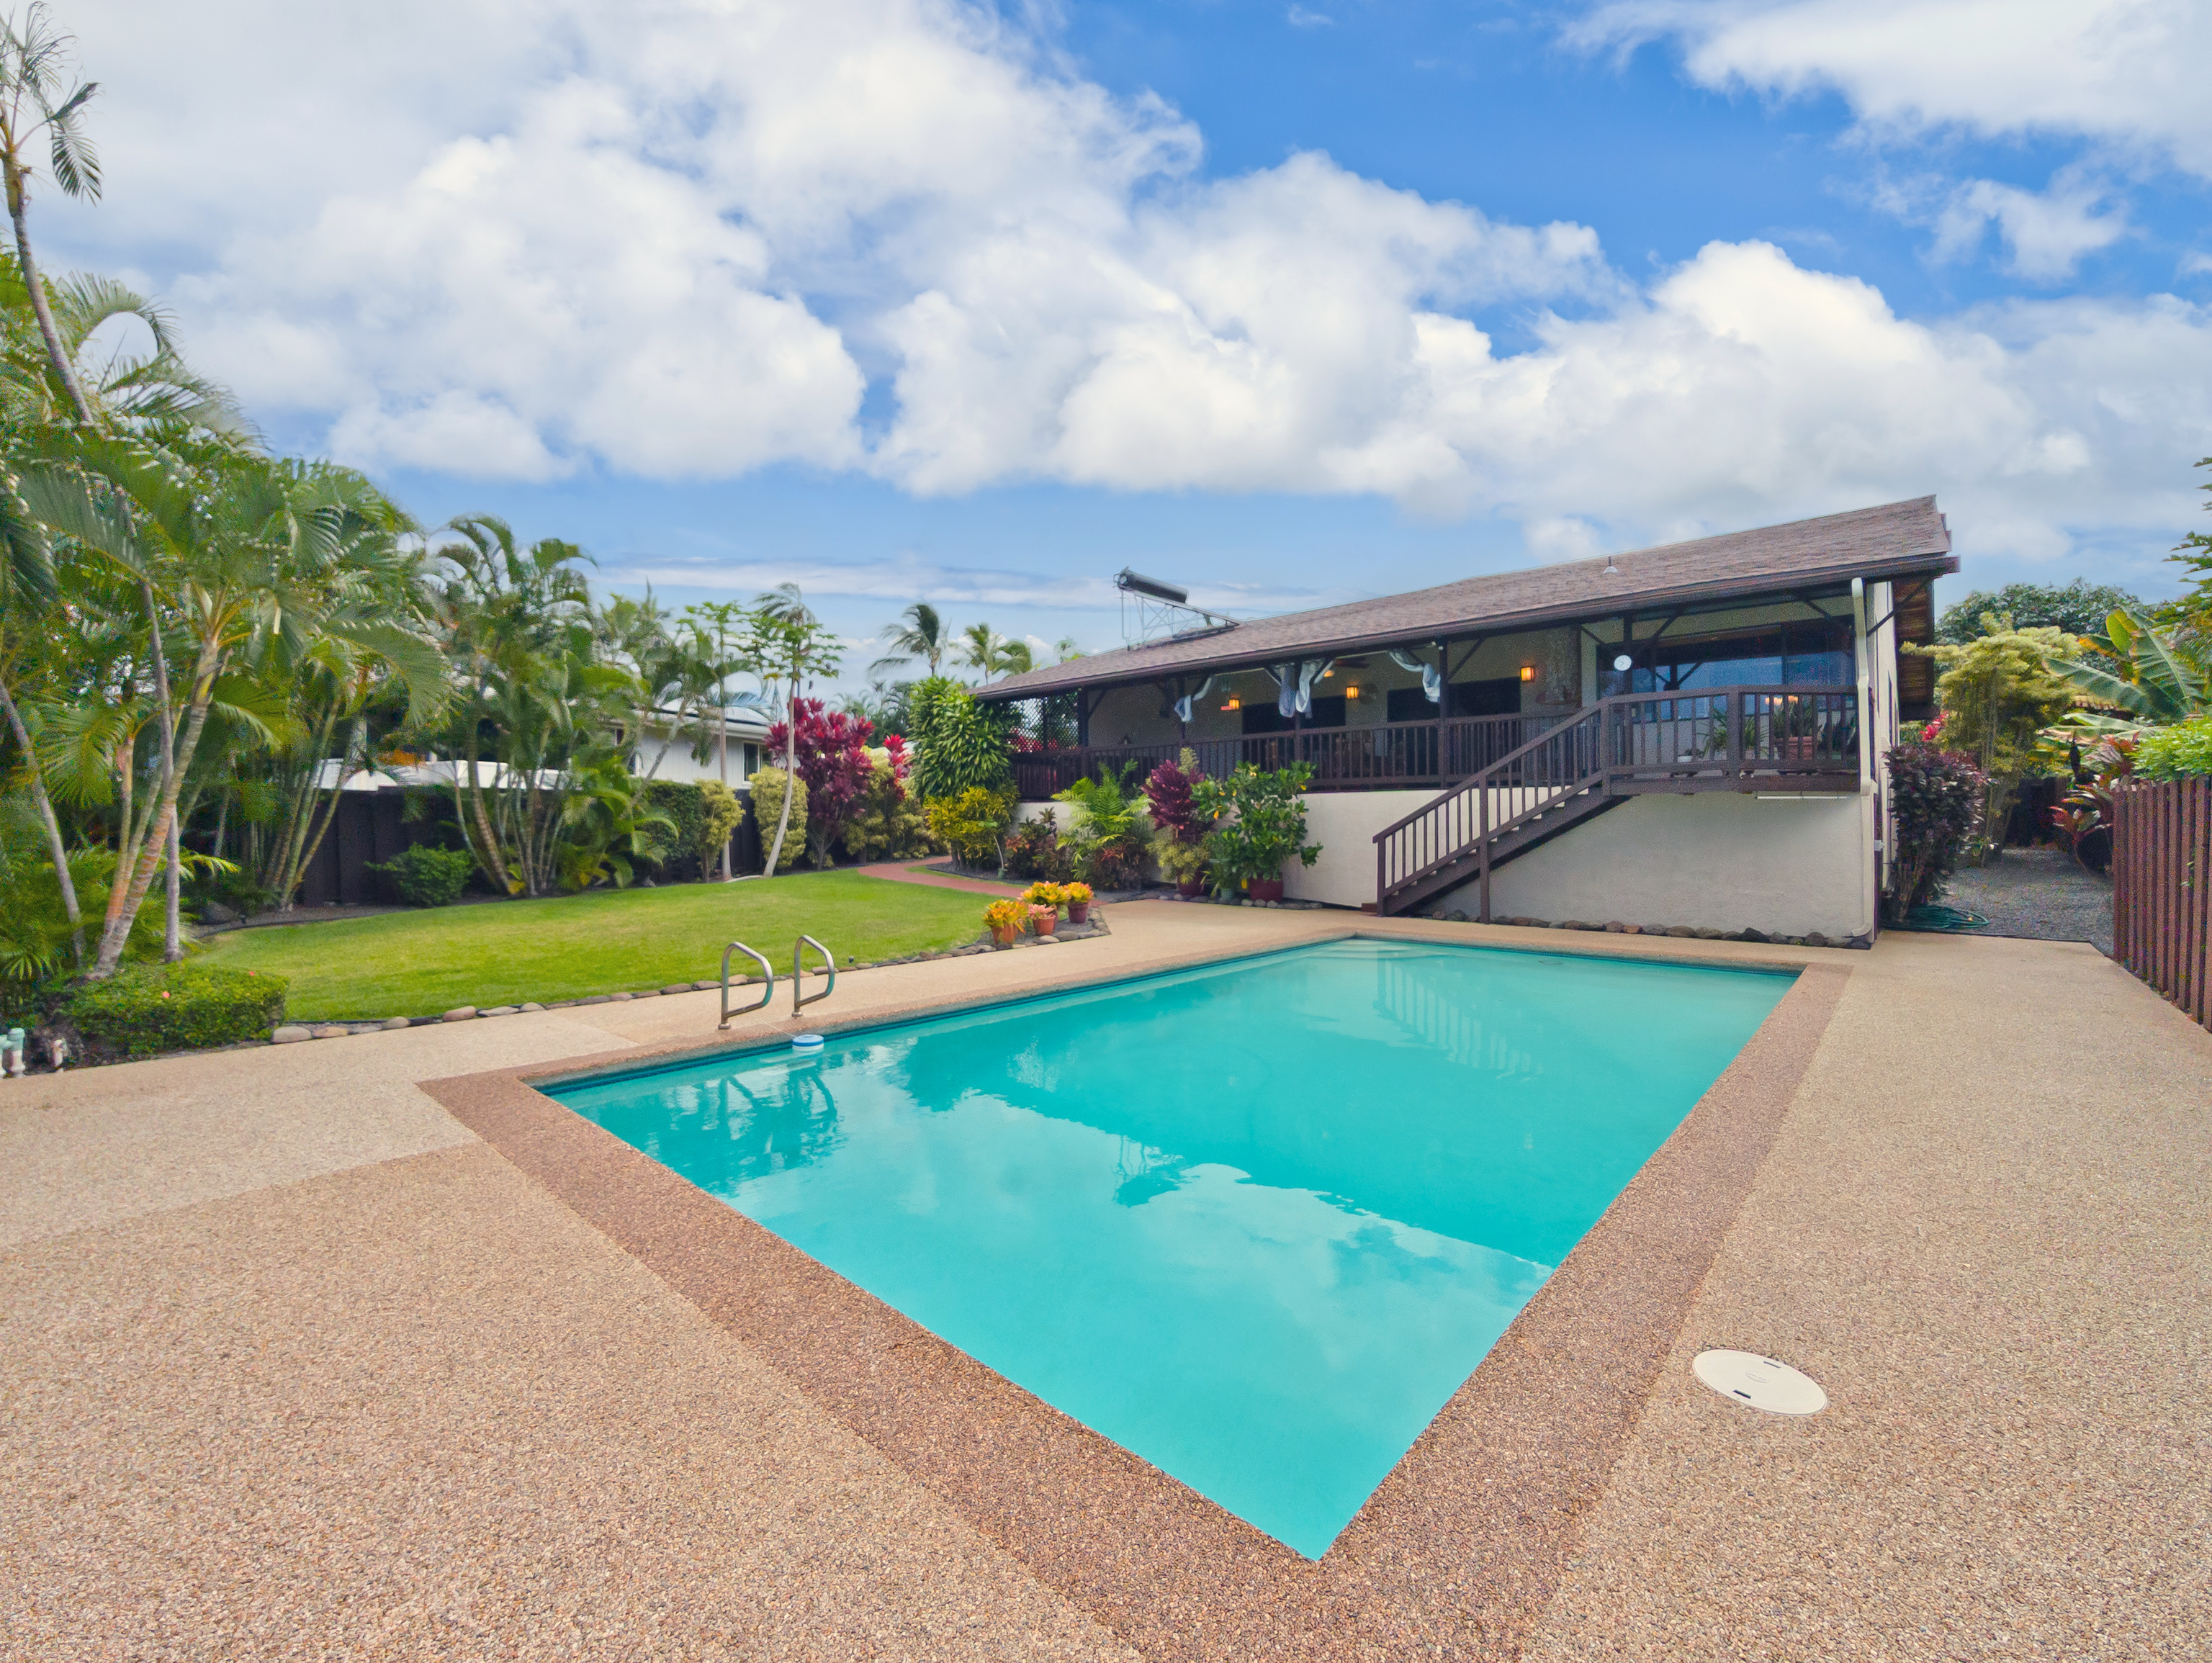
pixel 1006 917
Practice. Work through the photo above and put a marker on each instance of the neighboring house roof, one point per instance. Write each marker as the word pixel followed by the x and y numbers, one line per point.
pixel 747 724
pixel 1897 540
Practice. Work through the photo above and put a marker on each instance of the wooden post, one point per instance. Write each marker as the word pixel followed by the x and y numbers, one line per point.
pixel 1482 794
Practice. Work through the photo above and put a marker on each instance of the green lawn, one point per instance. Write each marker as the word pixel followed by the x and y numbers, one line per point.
pixel 418 963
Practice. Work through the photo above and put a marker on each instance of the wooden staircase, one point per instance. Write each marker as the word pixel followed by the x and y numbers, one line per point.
pixel 1740 739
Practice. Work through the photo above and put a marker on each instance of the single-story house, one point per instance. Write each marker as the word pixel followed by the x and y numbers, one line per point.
pixel 664 747
pixel 1684 736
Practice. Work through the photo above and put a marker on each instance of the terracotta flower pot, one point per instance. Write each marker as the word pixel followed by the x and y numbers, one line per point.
pixel 1005 937
pixel 1078 911
pixel 1046 923
pixel 1264 889
pixel 1799 748
pixel 1191 887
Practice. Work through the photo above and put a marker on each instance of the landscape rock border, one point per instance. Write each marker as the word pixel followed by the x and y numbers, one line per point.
pixel 294 1033
pixel 1688 932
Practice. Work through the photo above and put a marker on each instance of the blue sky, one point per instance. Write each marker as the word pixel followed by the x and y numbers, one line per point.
pixel 1290 303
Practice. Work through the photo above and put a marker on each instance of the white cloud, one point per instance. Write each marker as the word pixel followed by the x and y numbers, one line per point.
pixel 1299 18
pixel 2123 72
pixel 909 578
pixel 2046 231
pixel 680 240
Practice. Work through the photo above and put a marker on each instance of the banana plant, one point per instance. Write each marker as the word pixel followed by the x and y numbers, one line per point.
pixel 2139 672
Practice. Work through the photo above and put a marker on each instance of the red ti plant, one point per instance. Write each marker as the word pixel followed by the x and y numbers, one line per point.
pixel 832 758
pixel 1168 800
pixel 2088 809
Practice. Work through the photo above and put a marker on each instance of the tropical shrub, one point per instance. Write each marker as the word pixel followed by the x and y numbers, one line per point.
pixel 889 825
pixel 1168 799
pixel 1259 822
pixel 1035 850
pixel 1935 800
pixel 1108 836
pixel 2175 752
pixel 720 814
pixel 2083 819
pixel 2000 692
pixel 36 952
pixel 607 829
pixel 423 876
pixel 145 1011
pixel 1179 862
pixel 768 789
pixel 973 825
pixel 833 761
pixel 963 745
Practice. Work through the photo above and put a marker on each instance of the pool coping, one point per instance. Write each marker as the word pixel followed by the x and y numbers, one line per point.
pixel 1461 1547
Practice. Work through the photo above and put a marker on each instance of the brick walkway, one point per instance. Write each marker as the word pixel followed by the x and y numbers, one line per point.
pixel 903 871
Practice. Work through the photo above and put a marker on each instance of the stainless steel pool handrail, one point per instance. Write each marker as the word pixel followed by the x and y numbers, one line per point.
pixel 767 993
pixel 800 1000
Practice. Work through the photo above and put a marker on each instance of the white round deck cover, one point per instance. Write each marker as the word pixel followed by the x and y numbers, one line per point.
pixel 1760 1383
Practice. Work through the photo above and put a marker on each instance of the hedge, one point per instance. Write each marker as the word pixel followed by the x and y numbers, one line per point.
pixel 173 1007
pixel 425 877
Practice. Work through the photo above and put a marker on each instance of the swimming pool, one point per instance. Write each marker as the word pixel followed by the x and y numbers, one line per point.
pixel 1254 1222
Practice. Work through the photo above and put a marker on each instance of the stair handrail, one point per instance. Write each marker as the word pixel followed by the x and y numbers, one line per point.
pixel 1733 703
pixel 799 998
pixel 1481 780
pixel 767 993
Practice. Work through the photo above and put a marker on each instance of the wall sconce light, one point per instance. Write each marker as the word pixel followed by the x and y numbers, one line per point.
pixel 1233 703
pixel 1351 692
pixel 1328 672
pixel 1528 672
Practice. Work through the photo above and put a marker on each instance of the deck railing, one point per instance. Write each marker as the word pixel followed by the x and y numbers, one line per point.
pixel 1738 739
pixel 2162 889
pixel 1387 755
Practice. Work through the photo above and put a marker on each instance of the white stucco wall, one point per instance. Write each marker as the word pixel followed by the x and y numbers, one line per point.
pixel 1343 823
pixel 1719 861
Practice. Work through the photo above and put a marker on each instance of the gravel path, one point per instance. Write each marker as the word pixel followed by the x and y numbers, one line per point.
pixel 2042 895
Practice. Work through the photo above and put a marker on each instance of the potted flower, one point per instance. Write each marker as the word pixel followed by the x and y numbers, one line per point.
pixel 1077 897
pixel 1005 921
pixel 1801 725
pixel 1044 895
pixel 1044 919
pixel 1268 826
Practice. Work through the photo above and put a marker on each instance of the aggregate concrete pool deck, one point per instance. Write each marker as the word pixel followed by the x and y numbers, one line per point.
pixel 296 1364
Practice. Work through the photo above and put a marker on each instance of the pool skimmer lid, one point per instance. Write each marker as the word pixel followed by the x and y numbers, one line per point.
pixel 1760 1383
pixel 807 1042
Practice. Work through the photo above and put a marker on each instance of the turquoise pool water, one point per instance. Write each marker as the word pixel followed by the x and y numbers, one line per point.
pixel 1254 1223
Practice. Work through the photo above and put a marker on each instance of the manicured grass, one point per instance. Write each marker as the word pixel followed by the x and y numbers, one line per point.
pixel 419 964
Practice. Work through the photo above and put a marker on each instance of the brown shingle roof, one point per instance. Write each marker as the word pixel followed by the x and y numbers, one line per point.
pixel 1895 540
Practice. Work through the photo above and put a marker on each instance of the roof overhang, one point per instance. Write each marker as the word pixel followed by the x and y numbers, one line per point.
pixel 1714 594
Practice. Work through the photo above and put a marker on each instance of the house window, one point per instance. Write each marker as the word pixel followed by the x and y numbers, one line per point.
pixel 1266 718
pixel 1813 652
pixel 748 760
pixel 1498 697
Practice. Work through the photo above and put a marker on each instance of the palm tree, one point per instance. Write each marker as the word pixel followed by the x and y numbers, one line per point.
pixel 920 633
pixel 30 618
pixel 985 649
pixel 32 103
pixel 249 555
pixel 515 619
pixel 788 643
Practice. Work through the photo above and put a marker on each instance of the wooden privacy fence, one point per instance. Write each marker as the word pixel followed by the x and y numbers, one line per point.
pixel 2162 888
